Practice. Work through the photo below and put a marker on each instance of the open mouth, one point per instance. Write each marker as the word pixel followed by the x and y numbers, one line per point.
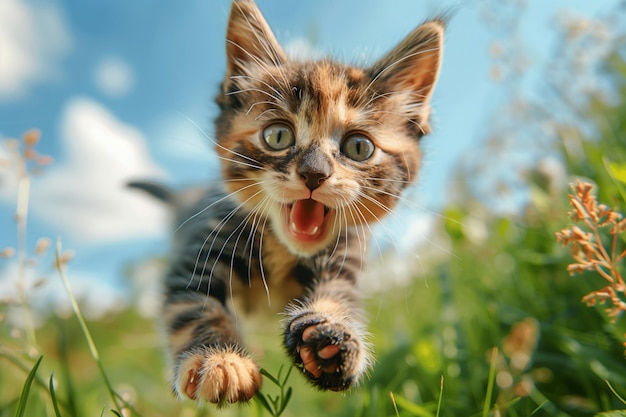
pixel 306 220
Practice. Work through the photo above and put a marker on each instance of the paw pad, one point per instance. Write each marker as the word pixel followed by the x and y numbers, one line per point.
pixel 330 354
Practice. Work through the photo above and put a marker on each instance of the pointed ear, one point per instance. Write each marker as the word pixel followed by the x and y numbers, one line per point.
pixel 413 66
pixel 249 40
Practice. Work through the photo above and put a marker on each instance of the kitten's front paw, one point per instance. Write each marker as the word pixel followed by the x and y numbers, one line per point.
pixel 331 354
pixel 217 375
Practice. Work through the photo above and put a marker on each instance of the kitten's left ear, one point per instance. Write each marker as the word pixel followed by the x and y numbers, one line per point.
pixel 249 40
pixel 413 67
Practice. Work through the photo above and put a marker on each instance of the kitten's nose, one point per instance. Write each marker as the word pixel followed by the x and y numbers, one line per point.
pixel 314 168
pixel 313 179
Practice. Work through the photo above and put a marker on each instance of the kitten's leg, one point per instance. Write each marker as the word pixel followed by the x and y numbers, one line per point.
pixel 325 335
pixel 209 361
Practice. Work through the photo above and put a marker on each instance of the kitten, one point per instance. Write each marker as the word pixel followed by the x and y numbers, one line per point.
pixel 311 154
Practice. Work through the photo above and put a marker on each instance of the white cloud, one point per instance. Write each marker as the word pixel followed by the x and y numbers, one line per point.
pixel 114 77
pixel 85 196
pixel 32 41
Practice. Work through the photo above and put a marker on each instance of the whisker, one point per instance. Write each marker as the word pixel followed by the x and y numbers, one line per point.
pixel 243 163
pixel 379 220
pixel 250 242
pixel 263 279
pixel 348 205
pixel 216 231
pixel 345 246
pixel 225 197
pixel 388 180
pixel 364 223
pixel 336 224
pixel 404 220
pixel 223 222
pixel 386 209
pixel 243 225
pixel 412 204
pixel 221 181
pixel 256 164
pixel 258 214
pixel 362 242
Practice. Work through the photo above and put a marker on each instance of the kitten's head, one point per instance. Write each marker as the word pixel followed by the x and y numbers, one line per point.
pixel 319 146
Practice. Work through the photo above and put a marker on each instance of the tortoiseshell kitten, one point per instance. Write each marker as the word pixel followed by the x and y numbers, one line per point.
pixel 312 153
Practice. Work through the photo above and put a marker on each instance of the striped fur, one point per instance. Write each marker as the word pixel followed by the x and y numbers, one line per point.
pixel 248 239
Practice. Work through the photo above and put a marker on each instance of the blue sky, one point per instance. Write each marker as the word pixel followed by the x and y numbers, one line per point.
pixel 118 89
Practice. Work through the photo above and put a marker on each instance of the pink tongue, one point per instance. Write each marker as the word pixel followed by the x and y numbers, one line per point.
pixel 307 216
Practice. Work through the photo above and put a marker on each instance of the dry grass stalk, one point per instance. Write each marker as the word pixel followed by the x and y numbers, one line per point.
pixel 595 226
pixel 23 162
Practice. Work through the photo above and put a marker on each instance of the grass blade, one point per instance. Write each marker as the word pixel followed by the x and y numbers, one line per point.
pixel 21 405
pixel 53 395
pixel 285 401
pixel 270 377
pixel 415 409
pixel 619 397
pixel 492 378
pixel 440 397
pixel 260 398
pixel 395 406
pixel 289 369
pixel 83 324
pixel 539 407
pixel 615 413
pixel 23 367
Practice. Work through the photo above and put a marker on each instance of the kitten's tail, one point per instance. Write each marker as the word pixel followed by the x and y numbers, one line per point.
pixel 177 199
pixel 157 190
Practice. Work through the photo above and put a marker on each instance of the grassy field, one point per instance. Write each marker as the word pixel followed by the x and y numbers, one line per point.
pixel 498 328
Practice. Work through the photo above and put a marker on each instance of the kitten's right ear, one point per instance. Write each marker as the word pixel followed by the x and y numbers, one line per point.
pixel 250 42
pixel 413 67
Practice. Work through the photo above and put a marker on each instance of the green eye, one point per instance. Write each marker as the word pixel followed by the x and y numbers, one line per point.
pixel 278 136
pixel 357 147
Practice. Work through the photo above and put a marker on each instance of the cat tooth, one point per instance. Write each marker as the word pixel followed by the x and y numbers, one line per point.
pixel 311 232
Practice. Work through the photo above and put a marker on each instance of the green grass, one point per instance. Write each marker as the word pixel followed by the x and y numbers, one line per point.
pixel 501 322
pixel 453 325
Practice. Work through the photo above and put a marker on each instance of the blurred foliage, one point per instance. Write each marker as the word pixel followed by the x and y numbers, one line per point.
pixel 504 286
